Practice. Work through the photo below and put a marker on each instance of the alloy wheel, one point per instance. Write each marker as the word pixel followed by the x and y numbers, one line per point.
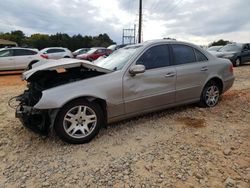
pixel 79 121
pixel 212 95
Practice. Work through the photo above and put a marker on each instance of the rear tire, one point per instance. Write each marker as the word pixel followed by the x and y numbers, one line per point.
pixel 237 62
pixel 210 95
pixel 31 63
pixel 90 59
pixel 79 121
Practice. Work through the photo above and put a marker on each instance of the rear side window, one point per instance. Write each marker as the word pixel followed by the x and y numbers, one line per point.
pixel 183 54
pixel 23 52
pixel 50 51
pixel 155 57
pixel 200 56
pixel 6 53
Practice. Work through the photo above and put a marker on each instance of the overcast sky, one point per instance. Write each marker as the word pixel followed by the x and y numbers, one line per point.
pixel 197 21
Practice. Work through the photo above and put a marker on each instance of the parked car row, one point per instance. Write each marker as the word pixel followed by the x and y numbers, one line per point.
pixel 17 58
pixel 237 53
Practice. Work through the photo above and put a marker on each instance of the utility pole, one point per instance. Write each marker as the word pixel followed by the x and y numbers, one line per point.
pixel 140 21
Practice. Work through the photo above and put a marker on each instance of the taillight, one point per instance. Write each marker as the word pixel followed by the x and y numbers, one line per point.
pixel 231 69
pixel 44 56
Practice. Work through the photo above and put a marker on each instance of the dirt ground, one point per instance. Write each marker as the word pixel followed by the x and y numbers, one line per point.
pixel 180 147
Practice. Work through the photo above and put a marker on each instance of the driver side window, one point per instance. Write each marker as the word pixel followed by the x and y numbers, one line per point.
pixel 155 57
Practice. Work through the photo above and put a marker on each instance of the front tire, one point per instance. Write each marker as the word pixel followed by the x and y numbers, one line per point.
pixel 79 121
pixel 210 95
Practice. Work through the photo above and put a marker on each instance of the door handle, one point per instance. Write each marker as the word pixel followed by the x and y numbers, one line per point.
pixel 204 68
pixel 170 74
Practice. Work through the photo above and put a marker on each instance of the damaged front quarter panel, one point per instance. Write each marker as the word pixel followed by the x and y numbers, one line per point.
pixel 46 77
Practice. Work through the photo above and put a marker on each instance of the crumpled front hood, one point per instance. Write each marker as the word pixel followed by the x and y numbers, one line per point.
pixel 63 63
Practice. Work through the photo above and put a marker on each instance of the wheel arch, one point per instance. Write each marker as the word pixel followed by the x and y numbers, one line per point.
pixel 32 63
pixel 101 102
pixel 217 80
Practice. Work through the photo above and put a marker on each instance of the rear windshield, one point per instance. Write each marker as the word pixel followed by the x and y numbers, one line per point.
pixel 231 48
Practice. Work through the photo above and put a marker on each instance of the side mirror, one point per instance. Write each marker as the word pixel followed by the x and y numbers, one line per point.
pixel 137 69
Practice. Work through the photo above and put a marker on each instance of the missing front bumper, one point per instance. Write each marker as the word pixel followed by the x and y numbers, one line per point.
pixel 36 120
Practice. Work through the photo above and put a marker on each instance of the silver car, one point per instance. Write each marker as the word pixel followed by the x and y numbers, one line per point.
pixel 76 98
pixel 56 53
pixel 17 58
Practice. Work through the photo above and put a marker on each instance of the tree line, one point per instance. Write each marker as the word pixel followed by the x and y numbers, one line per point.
pixel 41 41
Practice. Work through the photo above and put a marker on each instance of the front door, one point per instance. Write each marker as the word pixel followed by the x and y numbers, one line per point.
pixel 7 61
pixel 153 88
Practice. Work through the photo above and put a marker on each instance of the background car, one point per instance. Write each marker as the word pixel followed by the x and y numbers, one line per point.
pixel 56 53
pixel 17 58
pixel 237 53
pixel 80 51
pixel 134 80
pixel 114 47
pixel 94 53
pixel 214 48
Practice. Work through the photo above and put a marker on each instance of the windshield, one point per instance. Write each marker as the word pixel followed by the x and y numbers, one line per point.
pixel 118 59
pixel 5 53
pixel 214 48
pixel 91 51
pixel 231 48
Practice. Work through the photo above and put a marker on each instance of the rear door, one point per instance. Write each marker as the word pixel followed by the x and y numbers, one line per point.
pixel 23 57
pixel 192 72
pixel 153 88
pixel 7 61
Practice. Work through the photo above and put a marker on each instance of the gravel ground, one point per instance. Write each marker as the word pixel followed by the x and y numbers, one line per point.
pixel 180 147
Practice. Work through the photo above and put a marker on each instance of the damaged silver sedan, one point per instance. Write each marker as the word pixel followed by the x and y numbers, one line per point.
pixel 76 98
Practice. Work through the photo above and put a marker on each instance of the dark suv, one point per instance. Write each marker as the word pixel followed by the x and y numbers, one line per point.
pixel 237 53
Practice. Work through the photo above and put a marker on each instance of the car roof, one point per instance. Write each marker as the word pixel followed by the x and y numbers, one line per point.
pixel 19 48
pixel 54 48
pixel 163 41
pixel 98 48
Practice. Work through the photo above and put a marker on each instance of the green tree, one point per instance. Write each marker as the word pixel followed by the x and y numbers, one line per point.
pixel 41 41
pixel 220 42
pixel 16 36
pixel 38 41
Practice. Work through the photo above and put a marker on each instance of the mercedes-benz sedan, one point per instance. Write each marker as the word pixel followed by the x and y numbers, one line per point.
pixel 76 98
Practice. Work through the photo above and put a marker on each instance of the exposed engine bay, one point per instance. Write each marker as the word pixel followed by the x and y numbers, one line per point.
pixel 38 120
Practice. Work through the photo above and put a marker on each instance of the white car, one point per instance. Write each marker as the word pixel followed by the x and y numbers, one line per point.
pixel 18 58
pixel 56 53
